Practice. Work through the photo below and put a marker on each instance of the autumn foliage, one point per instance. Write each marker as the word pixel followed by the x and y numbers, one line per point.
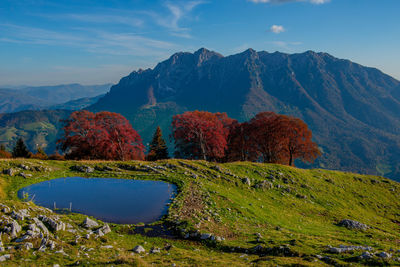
pixel 268 137
pixel 201 135
pixel 104 135
pixel 3 153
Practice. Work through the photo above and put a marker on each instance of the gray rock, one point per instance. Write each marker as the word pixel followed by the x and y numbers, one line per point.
pixel 246 181
pixel 353 225
pixel 41 226
pixel 155 250
pixel 27 246
pixel 20 215
pixel 10 171
pixel 89 223
pixel 85 169
pixel 264 185
pixel 366 255
pixel 107 247
pixel 53 223
pixel 205 236
pixel 24 167
pixel 104 229
pixel 14 228
pixel 5 257
pixel 384 255
pixel 343 248
pixel 25 175
pixel 139 249
pixel 5 209
pixel 336 250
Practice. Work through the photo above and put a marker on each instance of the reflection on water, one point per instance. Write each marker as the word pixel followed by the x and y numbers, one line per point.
pixel 110 200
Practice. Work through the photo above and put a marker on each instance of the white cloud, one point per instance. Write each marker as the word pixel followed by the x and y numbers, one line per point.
pixel 177 12
pixel 277 29
pixel 316 2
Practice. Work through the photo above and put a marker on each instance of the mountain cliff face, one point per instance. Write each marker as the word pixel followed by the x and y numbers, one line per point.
pixel 353 110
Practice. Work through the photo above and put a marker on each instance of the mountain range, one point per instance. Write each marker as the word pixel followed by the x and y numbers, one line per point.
pixel 352 110
pixel 50 97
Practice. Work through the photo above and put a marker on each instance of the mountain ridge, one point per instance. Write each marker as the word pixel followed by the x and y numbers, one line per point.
pixel 46 97
pixel 336 97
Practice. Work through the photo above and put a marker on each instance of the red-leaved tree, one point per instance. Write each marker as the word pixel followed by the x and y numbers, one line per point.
pixel 272 138
pixel 104 135
pixel 201 134
pixel 299 142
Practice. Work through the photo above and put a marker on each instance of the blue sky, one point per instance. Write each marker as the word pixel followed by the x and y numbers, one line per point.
pixel 98 41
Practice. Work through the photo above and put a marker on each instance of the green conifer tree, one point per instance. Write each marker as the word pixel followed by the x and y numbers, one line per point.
pixel 20 150
pixel 158 147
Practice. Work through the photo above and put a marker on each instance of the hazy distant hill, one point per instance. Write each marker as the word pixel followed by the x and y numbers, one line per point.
pixel 44 97
pixel 59 94
pixel 12 101
pixel 77 104
pixel 352 110
pixel 35 127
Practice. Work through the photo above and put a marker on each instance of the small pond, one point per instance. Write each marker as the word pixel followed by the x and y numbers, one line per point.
pixel 120 201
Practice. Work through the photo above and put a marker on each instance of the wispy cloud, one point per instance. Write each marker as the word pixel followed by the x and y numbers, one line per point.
pixel 126 19
pixel 316 2
pixel 284 44
pixel 95 41
pixel 277 29
pixel 177 11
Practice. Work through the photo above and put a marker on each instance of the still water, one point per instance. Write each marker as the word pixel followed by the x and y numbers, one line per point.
pixel 110 200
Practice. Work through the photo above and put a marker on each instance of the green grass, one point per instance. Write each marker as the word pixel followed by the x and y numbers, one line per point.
pixel 303 214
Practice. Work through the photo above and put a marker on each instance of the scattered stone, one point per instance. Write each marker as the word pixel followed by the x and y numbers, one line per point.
pixel 5 209
pixel 218 238
pixel 41 226
pixel 20 215
pixel 27 246
pixel 54 224
pixel 83 168
pixel 246 181
pixel 89 223
pixel 139 249
pixel 105 229
pixel 61 251
pixel 25 175
pixel 107 247
pixel 366 255
pixel 155 250
pixel 5 257
pixel 13 228
pixel 24 167
pixel 205 236
pixel 264 185
pixel 10 171
pixel 353 225
pixel 384 255
pixel 301 196
pixel 343 248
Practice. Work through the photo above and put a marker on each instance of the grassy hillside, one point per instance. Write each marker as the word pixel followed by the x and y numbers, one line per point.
pixel 259 214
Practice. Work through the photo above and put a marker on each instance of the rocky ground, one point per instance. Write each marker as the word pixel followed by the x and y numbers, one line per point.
pixel 224 214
